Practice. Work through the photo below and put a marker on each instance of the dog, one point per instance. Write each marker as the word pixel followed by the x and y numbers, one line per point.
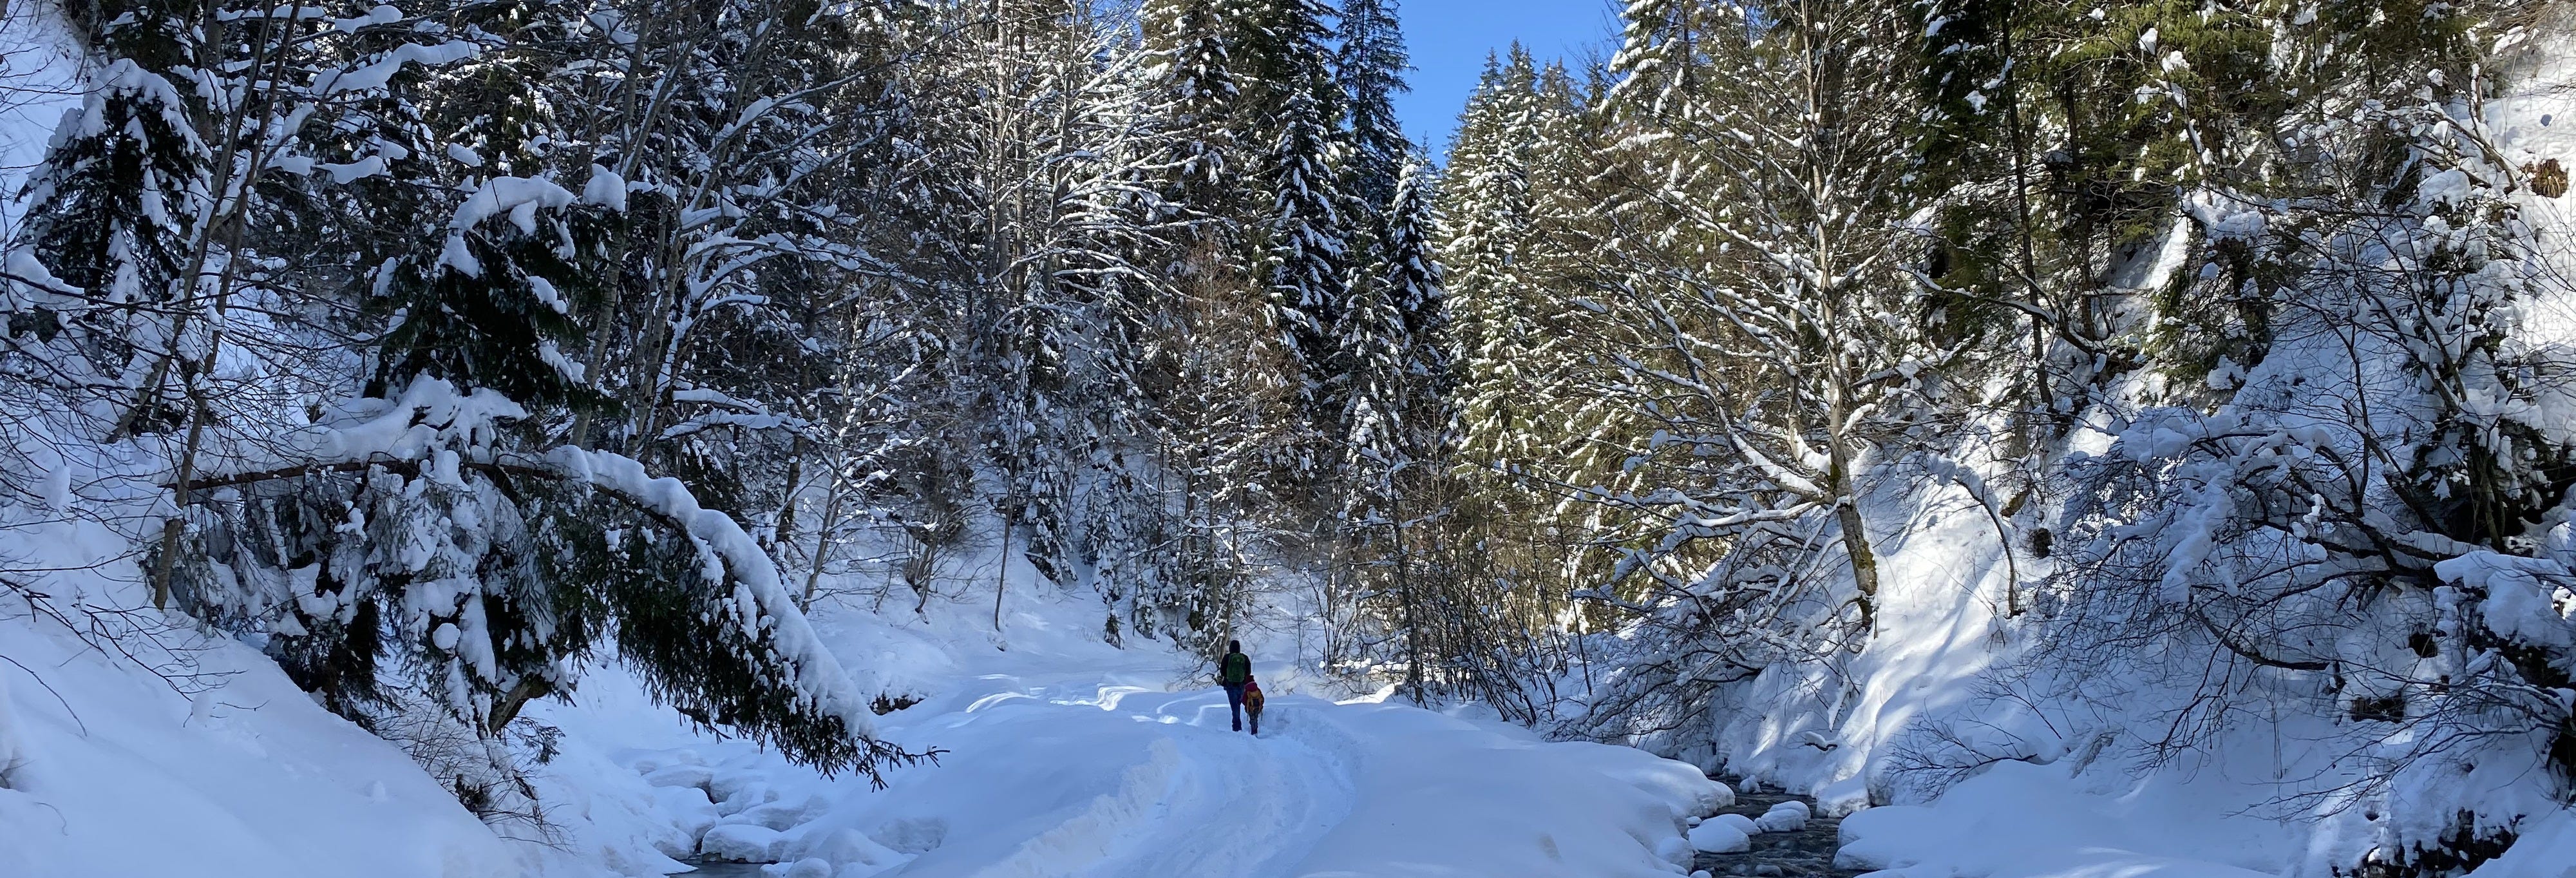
pixel 1252 702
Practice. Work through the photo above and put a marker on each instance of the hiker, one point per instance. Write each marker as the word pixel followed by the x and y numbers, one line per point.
pixel 1234 672
pixel 1252 702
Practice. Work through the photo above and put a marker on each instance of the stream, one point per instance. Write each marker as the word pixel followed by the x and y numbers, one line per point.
pixel 1806 853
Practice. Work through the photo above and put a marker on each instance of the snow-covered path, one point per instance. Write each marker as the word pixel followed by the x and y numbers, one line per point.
pixel 1062 757
pixel 1107 775
pixel 1206 801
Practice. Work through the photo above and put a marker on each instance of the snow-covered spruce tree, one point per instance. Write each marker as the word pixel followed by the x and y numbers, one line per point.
pixel 1410 277
pixel 1484 210
pixel 1389 366
pixel 1370 64
pixel 1197 93
pixel 1259 178
pixel 788 328
pixel 1224 73
pixel 1518 223
pixel 416 555
pixel 1666 49
pixel 1225 391
pixel 1515 212
pixel 1309 252
pixel 1369 359
pixel 752 151
pixel 1372 340
pixel 1998 237
pixel 1283 47
pixel 114 217
pixel 1421 593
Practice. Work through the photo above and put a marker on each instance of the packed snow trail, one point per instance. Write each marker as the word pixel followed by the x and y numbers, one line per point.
pixel 1111 778
pixel 1207 801
pixel 1062 757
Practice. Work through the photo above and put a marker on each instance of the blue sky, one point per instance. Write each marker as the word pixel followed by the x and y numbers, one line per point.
pixel 1450 39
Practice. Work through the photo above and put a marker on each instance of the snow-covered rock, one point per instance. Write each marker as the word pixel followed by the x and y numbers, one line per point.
pixel 1788 816
pixel 1719 837
pixel 1676 851
pixel 1738 822
pixel 847 848
pixel 743 842
pixel 779 815
pixel 741 789
pixel 688 811
pixel 681 776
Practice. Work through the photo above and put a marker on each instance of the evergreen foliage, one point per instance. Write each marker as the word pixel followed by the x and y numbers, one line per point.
pixel 1369 65
pixel 388 316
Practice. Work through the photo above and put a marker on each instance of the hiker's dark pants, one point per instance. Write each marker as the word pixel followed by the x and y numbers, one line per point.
pixel 1234 702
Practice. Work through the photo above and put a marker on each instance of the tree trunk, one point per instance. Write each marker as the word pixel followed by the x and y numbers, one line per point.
pixel 1002 576
pixel 1838 480
pixel 507 707
pixel 1864 561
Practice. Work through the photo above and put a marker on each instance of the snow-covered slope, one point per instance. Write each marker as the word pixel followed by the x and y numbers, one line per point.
pixel 1976 751
pixel 39 80
pixel 225 768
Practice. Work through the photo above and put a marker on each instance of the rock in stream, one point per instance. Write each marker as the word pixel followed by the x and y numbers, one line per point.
pixel 1807 852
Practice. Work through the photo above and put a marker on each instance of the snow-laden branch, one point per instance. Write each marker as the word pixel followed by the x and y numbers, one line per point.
pixel 438 433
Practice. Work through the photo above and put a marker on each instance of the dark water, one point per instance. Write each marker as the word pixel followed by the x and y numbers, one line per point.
pixel 720 869
pixel 1806 853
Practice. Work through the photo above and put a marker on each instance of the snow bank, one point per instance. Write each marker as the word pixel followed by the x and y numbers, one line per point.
pixel 1486 800
pixel 2028 820
pixel 122 774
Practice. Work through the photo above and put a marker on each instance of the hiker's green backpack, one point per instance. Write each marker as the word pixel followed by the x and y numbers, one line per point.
pixel 1234 669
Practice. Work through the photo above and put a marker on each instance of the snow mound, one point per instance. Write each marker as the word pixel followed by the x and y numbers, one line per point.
pixel 1720 837
pixel 1789 816
pixel 742 842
